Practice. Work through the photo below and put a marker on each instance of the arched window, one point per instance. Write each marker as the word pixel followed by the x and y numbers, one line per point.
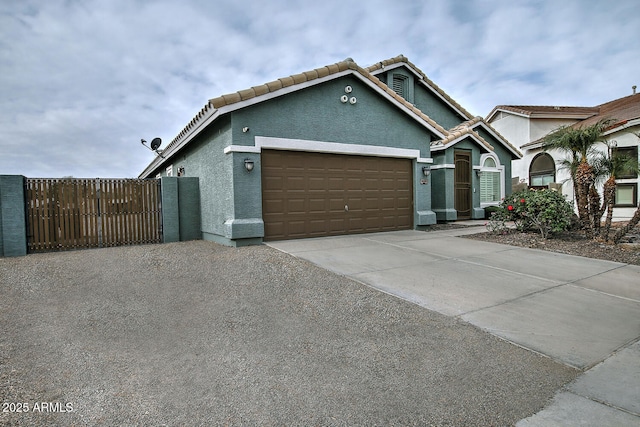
pixel 490 182
pixel 542 170
pixel 489 163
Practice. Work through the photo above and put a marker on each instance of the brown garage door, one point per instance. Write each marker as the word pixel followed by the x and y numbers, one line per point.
pixel 319 194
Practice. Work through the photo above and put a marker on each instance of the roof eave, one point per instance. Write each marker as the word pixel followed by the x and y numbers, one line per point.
pixel 497 110
pixel 469 134
pixel 622 126
pixel 171 150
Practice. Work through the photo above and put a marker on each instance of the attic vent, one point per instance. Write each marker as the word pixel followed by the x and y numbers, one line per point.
pixel 400 85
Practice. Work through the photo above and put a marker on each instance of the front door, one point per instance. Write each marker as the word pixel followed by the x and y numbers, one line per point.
pixel 462 183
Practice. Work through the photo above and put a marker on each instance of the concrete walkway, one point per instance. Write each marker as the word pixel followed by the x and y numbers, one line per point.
pixel 582 312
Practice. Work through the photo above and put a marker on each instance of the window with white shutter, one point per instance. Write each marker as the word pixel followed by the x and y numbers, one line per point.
pixel 490 182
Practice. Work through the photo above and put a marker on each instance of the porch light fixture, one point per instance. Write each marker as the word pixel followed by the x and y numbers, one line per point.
pixel 478 173
pixel 248 165
pixel 426 170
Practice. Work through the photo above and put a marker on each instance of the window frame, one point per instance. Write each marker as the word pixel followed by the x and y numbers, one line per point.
pixel 500 169
pixel 634 186
pixel 543 172
pixel 631 151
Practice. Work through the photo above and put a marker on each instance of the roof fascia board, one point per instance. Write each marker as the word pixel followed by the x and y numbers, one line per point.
pixel 534 145
pixel 283 91
pixel 202 124
pixel 459 139
pixel 626 125
pixel 397 65
pixel 569 116
pixel 513 113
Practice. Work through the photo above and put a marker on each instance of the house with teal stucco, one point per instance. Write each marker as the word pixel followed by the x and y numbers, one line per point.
pixel 337 150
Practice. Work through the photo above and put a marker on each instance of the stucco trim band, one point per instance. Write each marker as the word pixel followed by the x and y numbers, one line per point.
pixel 264 142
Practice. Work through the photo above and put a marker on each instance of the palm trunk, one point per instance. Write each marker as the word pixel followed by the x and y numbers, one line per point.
pixel 609 191
pixel 595 213
pixel 624 230
pixel 584 180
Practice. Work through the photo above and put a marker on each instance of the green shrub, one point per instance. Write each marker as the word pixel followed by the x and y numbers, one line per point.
pixel 489 210
pixel 546 211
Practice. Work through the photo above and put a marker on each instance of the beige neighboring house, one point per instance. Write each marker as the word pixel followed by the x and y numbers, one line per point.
pixel 526 126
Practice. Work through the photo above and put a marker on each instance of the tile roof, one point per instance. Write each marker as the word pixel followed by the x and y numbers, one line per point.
pixel 307 76
pixel 468 128
pixel 548 111
pixel 233 100
pixel 620 110
pixel 403 59
pixel 463 129
pixel 284 82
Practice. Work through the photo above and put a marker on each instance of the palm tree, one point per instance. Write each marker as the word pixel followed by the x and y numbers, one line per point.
pixel 634 219
pixel 579 144
pixel 612 165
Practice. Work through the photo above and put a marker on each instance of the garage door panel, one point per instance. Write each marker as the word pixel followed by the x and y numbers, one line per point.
pixel 305 194
pixel 296 206
pixel 336 205
pixel 317 183
pixel 318 206
pixel 356 204
pixel 273 205
pixel 272 182
pixel 337 225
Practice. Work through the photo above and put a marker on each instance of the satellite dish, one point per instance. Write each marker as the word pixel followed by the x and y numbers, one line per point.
pixel 155 143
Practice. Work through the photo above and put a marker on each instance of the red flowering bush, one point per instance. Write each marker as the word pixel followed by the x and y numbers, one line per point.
pixel 546 211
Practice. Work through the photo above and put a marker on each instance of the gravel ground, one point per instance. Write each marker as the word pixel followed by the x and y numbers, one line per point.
pixel 572 243
pixel 195 333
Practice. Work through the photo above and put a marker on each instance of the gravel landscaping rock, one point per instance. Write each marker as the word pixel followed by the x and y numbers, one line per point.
pixel 195 333
pixel 571 243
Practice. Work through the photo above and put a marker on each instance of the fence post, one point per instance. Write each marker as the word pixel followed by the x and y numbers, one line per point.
pixel 189 208
pixel 13 226
pixel 170 209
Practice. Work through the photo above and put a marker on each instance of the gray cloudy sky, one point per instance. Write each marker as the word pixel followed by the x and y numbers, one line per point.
pixel 83 81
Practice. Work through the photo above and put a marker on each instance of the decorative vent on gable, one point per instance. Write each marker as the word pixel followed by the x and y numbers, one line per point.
pixel 400 85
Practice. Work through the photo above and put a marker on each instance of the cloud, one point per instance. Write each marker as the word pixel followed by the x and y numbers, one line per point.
pixel 83 81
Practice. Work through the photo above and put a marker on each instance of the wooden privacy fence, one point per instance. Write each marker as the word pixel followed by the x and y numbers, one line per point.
pixel 65 214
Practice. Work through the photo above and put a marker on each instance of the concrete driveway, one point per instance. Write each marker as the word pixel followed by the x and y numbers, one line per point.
pixel 579 311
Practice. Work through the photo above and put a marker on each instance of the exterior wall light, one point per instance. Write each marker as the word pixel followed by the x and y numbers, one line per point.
pixel 426 170
pixel 478 173
pixel 248 164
